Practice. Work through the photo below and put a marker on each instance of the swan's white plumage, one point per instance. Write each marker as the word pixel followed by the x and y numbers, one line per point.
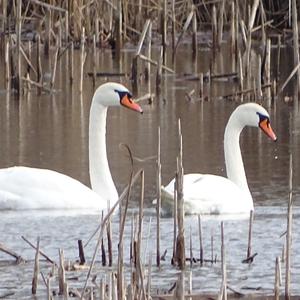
pixel 212 194
pixel 32 188
pixel 198 196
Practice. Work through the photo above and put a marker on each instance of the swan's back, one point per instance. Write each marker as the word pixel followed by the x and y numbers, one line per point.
pixel 32 188
pixel 208 194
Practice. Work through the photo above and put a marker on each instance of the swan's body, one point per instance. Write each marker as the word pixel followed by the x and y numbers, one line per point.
pixel 33 188
pixel 212 194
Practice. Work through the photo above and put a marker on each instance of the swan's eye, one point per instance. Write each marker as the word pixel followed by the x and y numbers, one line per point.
pixel 122 94
pixel 263 118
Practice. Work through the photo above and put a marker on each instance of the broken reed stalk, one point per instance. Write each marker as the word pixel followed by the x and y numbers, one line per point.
pixel 173 261
pixel 253 14
pixel 295 39
pixel 109 239
pixel 248 60
pixel 263 24
pixel 61 273
pixel 241 75
pixel 268 70
pixel 119 31
pixel 180 243
pixel 194 38
pixel 278 56
pixel 120 279
pixel 277 279
pixel 132 251
pixel 190 290
pixel 82 60
pixel 7 65
pixel 148 287
pixel 66 292
pixel 221 22
pixel 139 239
pixel 12 253
pixel 71 63
pixel 94 60
pixel 158 201
pixel 289 78
pixel 36 268
pixel 28 59
pixel 212 246
pixel 214 30
pixel 114 287
pixel 48 29
pixel 134 68
pixel 155 63
pixel 103 255
pixel 200 239
pixel 250 234
pixel 41 252
pixel 148 64
pixel 184 29
pixel 159 72
pixel 233 41
pixel 223 291
pixel 201 90
pixel 179 289
pixel 173 17
pixel 148 54
pixel 259 90
pixel 81 253
pixel 54 68
pixel 39 76
pixel 49 294
pixel 289 232
pixel 191 248
pixel 102 290
pixel 18 79
pixel 164 30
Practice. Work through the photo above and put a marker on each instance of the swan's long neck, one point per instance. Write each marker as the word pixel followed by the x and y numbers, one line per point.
pixel 233 157
pixel 100 175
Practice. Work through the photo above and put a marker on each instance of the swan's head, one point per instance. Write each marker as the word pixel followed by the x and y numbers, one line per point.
pixel 115 94
pixel 253 114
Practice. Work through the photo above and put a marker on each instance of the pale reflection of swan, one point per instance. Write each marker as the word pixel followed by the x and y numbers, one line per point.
pixel 33 188
pixel 211 194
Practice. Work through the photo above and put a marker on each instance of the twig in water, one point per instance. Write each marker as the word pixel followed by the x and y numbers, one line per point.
pixel 40 251
pixel 249 259
pixel 163 257
pixel 19 258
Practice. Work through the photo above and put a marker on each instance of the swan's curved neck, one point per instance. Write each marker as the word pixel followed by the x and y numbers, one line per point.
pixel 100 176
pixel 233 157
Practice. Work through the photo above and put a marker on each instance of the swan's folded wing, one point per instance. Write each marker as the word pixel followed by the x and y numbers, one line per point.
pixel 210 194
pixel 31 188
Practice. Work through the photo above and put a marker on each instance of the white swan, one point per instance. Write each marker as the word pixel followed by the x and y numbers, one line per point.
pixel 211 194
pixel 33 188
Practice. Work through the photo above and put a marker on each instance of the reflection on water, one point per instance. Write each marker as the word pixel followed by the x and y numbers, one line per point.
pixel 50 131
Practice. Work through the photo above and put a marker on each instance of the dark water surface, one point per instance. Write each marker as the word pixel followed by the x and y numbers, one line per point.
pixel 51 131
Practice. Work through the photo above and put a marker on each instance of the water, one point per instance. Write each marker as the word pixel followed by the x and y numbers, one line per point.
pixel 50 131
pixel 62 230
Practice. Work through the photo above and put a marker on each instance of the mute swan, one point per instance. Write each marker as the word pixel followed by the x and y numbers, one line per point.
pixel 212 194
pixel 33 188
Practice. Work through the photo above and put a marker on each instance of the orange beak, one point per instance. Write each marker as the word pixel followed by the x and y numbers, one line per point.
pixel 267 129
pixel 129 103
